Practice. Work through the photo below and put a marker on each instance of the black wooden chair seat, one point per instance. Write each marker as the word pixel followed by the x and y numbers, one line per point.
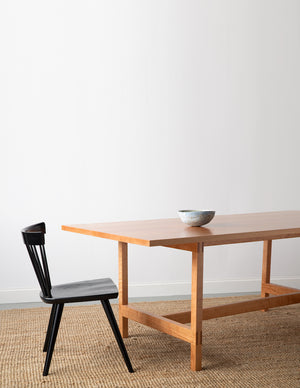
pixel 82 291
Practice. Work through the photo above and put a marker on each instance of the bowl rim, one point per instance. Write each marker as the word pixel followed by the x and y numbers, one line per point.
pixel 196 211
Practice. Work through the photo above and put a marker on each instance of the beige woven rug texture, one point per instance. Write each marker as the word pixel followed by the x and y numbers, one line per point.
pixel 247 350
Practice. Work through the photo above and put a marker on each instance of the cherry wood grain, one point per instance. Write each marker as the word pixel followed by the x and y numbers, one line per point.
pixel 251 305
pixel 223 229
pixel 123 286
pixel 283 299
pixel 276 289
pixel 158 322
pixel 266 267
pixel 197 307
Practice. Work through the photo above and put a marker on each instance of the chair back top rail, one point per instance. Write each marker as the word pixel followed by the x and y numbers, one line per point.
pixel 34 239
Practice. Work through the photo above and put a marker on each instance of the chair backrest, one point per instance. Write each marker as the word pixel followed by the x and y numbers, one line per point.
pixel 34 239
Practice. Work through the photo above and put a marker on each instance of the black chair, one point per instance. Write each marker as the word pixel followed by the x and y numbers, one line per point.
pixel 98 289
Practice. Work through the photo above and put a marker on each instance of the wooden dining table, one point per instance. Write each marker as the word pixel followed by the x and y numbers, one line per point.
pixel 172 233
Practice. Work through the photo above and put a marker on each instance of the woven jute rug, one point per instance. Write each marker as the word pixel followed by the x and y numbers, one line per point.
pixel 248 350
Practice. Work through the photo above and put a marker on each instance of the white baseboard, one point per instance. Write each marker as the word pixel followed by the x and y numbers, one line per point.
pixel 164 289
pixel 210 287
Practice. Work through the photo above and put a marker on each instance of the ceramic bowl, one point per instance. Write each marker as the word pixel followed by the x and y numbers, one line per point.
pixel 196 217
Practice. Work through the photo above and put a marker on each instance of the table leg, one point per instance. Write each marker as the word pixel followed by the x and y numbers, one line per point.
pixel 266 268
pixel 123 287
pixel 197 307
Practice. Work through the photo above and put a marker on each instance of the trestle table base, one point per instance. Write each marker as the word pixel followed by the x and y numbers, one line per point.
pixel 177 324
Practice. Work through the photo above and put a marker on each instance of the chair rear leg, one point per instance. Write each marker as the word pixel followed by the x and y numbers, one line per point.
pixel 50 324
pixel 112 320
pixel 53 335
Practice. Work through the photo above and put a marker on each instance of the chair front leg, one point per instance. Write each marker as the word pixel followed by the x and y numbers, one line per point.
pixel 53 335
pixel 50 324
pixel 112 320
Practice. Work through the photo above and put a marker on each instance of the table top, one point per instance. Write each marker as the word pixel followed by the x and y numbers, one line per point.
pixel 223 229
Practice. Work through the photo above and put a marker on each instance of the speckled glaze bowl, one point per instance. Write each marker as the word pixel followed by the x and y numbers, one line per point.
pixel 196 217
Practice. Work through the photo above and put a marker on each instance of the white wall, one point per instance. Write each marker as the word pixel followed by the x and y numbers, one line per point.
pixel 119 110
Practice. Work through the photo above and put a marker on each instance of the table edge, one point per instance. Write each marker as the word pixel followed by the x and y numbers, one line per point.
pixel 212 240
